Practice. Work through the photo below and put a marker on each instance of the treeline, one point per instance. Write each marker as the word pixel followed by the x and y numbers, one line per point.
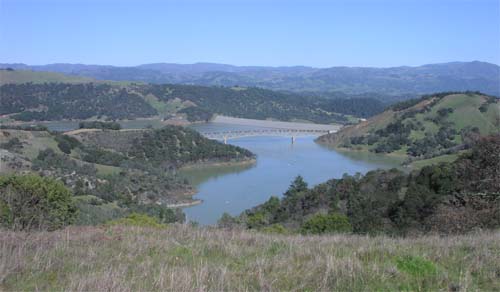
pixel 99 125
pixel 447 198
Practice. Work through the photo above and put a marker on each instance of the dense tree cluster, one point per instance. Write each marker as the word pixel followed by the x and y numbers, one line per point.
pixel 173 146
pixel 58 101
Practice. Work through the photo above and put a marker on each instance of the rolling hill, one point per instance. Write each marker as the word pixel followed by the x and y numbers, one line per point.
pixel 102 100
pixel 394 81
pixel 423 128
pixel 115 172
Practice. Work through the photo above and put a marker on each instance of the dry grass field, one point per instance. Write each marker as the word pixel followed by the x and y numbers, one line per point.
pixel 185 258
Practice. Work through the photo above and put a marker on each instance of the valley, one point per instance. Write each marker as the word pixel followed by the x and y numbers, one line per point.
pixel 209 146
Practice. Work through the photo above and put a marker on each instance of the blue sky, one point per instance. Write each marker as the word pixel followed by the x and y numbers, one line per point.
pixel 245 32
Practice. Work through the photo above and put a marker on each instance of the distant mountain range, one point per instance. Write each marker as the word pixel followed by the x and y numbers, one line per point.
pixel 395 81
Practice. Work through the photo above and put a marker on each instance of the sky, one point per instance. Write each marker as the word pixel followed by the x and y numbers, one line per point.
pixel 371 33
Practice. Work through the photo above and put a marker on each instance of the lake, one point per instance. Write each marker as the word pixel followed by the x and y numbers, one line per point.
pixel 234 189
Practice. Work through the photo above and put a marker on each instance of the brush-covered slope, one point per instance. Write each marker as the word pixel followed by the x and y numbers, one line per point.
pixel 430 126
pixel 56 101
pixel 185 258
pixel 113 172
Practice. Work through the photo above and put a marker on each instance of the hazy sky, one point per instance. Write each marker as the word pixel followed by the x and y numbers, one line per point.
pixel 244 32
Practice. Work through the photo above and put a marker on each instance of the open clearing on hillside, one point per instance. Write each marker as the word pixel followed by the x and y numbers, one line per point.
pixel 183 258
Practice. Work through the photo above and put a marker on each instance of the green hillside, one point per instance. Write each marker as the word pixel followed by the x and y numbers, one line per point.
pixel 56 101
pixel 24 76
pixel 114 172
pixel 423 128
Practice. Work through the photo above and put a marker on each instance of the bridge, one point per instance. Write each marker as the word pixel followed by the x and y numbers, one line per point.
pixel 286 132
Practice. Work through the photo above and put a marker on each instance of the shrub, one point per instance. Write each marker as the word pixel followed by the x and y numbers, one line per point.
pixel 228 221
pixel 276 229
pixel 66 143
pixel 136 219
pixel 331 223
pixel 32 202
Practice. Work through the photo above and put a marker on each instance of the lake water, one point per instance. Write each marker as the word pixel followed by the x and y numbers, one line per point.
pixel 233 189
pixel 236 188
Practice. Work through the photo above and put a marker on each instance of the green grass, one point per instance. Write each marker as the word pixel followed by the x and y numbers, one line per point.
pixel 466 112
pixel 185 258
pixel 39 141
pixel 104 170
pixel 157 104
pixel 442 158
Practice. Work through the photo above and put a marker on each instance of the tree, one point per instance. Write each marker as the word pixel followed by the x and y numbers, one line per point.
pixel 33 202
pixel 297 186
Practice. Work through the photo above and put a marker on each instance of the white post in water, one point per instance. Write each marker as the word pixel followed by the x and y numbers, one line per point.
pixel 225 139
pixel 293 139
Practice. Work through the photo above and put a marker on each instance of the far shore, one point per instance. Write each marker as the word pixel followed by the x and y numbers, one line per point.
pixel 217 164
pixel 185 204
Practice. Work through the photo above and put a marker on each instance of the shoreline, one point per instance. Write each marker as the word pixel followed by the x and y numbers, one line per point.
pixel 185 204
pixel 217 164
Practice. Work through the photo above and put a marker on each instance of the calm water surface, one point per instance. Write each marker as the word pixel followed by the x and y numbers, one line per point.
pixel 235 189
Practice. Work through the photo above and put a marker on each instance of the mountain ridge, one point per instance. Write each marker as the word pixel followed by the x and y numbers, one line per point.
pixel 399 80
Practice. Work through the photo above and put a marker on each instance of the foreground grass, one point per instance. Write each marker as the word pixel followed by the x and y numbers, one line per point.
pixel 183 258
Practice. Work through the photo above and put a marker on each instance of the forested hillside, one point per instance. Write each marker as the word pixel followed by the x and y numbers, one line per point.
pixel 447 198
pixel 56 101
pixel 110 173
pixel 423 128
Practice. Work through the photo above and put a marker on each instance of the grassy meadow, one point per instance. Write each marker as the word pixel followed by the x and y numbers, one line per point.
pixel 186 258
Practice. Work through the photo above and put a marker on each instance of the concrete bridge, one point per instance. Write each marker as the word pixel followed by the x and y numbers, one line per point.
pixel 286 132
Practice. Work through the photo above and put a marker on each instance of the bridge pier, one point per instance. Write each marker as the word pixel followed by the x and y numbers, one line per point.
pixel 293 139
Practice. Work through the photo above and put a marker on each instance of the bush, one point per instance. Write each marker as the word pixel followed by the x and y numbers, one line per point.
pixel 276 229
pixel 100 125
pixel 66 143
pixel 228 221
pixel 32 202
pixel 136 219
pixel 331 223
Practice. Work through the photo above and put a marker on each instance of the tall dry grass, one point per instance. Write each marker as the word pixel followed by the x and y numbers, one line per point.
pixel 184 258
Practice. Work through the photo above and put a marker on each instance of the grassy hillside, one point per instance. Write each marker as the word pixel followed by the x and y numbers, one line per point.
pixel 24 76
pixel 423 128
pixel 183 258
